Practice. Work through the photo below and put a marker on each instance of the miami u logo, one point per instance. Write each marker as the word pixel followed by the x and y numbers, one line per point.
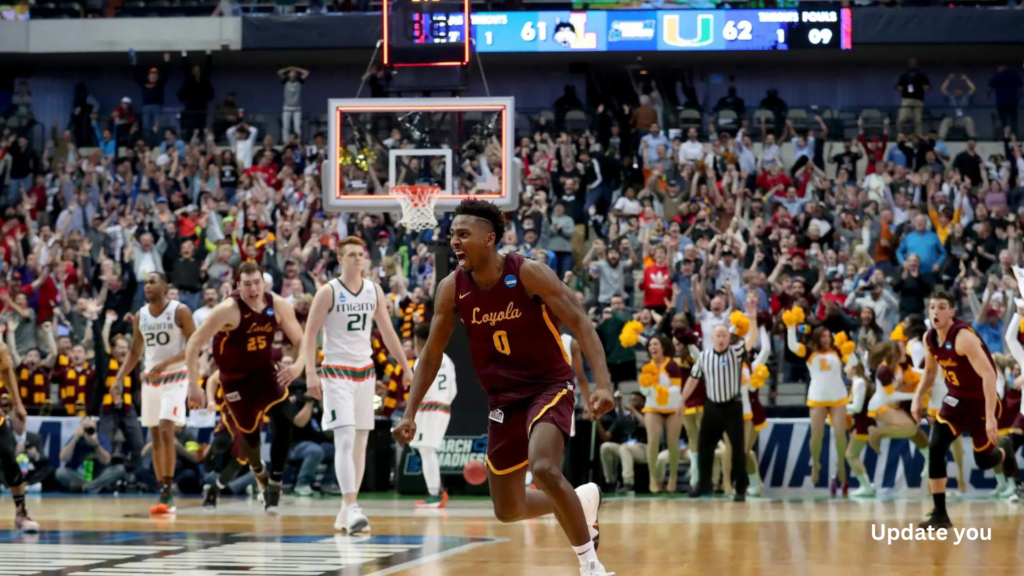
pixel 705 32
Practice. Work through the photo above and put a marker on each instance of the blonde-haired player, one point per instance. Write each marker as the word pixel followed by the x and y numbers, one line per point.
pixel 432 421
pixel 827 395
pixel 910 332
pixel 346 308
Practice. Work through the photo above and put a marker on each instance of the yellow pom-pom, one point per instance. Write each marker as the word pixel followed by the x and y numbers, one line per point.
pixel 661 395
pixel 897 334
pixel 634 326
pixel 911 378
pixel 841 339
pixel 756 381
pixel 1022 324
pixel 649 368
pixel 761 371
pixel 787 319
pixel 646 380
pixel 847 348
pixel 798 315
pixel 741 322
pixel 628 339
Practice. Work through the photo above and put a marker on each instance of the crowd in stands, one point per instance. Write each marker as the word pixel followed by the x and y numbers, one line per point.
pixel 646 222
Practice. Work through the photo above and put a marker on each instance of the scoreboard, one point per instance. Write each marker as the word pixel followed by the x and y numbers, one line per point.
pixel 420 32
pixel 636 30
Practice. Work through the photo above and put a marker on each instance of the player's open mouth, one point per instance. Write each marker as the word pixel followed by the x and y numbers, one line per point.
pixel 460 256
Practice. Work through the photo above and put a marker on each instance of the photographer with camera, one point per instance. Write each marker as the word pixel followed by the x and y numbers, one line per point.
pixel 871 293
pixel 87 461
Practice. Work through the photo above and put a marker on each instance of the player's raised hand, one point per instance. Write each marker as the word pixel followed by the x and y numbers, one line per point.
pixel 601 402
pixel 405 431
pixel 313 386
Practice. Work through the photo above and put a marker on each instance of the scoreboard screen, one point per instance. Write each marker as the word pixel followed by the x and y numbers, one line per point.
pixel 418 33
pixel 651 30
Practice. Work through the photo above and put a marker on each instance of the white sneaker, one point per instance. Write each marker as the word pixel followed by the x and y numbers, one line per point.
pixel 594 568
pixel 754 490
pixel 865 491
pixel 1009 491
pixel 356 520
pixel 303 490
pixel 590 498
pixel 341 520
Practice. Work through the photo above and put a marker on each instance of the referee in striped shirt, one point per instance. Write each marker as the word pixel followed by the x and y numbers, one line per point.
pixel 721 367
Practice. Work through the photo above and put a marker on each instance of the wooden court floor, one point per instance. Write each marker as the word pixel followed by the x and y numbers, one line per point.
pixel 108 536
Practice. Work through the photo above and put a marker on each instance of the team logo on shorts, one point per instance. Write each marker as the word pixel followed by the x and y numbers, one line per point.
pixel 497 415
pixel 510 281
pixel 232 396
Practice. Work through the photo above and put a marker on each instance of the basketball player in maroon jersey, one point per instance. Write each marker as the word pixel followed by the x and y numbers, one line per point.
pixel 510 307
pixel 242 328
pixel 972 403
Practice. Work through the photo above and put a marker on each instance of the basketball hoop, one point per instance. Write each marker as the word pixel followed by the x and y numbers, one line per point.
pixel 417 204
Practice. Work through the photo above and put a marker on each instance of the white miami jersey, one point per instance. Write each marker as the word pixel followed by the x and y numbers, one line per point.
pixel 443 390
pixel 162 335
pixel 348 325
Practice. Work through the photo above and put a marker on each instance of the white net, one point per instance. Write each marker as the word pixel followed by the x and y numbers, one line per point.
pixel 417 204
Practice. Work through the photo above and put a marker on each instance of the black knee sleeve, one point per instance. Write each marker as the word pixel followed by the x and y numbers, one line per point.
pixel 1009 458
pixel 988 458
pixel 938 446
pixel 280 444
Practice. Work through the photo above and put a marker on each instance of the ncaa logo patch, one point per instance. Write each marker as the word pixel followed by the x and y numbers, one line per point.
pixel 341 296
pixel 510 281
pixel 270 311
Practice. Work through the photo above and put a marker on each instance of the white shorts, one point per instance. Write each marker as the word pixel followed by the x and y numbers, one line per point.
pixel 348 403
pixel 431 426
pixel 164 402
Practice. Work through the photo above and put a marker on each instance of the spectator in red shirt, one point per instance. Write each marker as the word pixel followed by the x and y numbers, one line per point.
pixel 774 181
pixel 874 149
pixel 833 285
pixel 655 284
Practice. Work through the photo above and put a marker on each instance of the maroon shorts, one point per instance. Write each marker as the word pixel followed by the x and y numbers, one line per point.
pixel 695 403
pixel 861 423
pixel 227 424
pixel 509 426
pixel 757 411
pixel 250 397
pixel 968 415
pixel 1011 409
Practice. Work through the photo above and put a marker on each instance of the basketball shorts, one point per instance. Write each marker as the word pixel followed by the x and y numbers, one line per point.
pixel 695 403
pixel 226 426
pixel 348 396
pixel 8 455
pixel 164 399
pixel 968 415
pixel 861 423
pixel 248 398
pixel 509 425
pixel 1011 409
pixel 431 425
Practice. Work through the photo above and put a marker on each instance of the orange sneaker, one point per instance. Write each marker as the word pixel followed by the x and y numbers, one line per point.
pixel 162 509
pixel 433 502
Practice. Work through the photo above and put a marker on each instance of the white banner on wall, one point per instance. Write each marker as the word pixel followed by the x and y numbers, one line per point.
pixel 784 462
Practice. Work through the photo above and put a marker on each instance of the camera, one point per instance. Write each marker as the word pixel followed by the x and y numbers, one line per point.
pixel 90 430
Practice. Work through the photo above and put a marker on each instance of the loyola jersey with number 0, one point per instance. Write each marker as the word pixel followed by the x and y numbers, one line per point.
pixel 162 335
pixel 348 324
pixel 514 340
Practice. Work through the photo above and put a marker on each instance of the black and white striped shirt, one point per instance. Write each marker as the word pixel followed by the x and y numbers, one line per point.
pixel 722 372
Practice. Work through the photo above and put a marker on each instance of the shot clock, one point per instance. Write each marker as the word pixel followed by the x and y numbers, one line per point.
pixel 421 32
